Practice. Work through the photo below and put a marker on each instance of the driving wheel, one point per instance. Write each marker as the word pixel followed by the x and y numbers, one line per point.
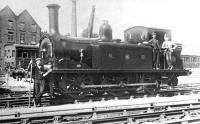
pixel 72 85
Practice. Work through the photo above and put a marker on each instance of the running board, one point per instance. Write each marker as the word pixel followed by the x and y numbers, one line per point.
pixel 117 85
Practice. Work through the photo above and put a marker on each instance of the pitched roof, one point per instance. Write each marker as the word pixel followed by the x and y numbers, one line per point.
pixel 27 14
pixel 7 11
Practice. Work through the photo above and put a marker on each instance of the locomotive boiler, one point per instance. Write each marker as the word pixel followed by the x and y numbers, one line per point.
pixel 82 66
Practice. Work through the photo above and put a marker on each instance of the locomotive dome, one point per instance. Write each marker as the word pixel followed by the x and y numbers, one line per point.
pixel 105 31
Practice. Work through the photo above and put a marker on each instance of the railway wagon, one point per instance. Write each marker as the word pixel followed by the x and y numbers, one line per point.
pixel 82 66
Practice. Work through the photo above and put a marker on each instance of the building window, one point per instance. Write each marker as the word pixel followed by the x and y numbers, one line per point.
pixel 194 59
pixel 187 59
pixel 33 28
pixel 33 39
pixel 25 55
pixel 13 53
pixel 33 54
pixel 10 24
pixel 22 37
pixel 10 36
pixel 19 54
pixel 184 59
pixel 22 26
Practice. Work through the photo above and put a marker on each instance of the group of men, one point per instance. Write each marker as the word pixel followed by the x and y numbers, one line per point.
pixel 167 46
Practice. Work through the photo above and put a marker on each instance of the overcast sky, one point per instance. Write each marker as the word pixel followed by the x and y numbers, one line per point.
pixel 180 16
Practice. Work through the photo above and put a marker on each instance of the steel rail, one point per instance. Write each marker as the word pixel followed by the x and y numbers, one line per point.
pixel 81 111
pixel 21 100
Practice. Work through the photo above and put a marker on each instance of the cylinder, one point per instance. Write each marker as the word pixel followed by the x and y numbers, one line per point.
pixel 53 18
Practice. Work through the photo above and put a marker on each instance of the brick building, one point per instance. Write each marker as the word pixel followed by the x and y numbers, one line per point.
pixel 17 29
pixel 191 61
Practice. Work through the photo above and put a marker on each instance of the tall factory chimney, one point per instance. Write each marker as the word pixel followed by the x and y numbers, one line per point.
pixel 74 21
pixel 53 18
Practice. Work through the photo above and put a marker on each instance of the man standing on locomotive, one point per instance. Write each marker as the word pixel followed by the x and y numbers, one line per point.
pixel 156 48
pixel 168 47
pixel 39 81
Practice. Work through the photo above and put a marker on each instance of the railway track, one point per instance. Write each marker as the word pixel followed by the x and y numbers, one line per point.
pixel 171 110
pixel 14 93
pixel 21 99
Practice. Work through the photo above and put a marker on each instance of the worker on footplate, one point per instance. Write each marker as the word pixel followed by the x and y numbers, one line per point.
pixel 39 75
pixel 168 47
pixel 156 49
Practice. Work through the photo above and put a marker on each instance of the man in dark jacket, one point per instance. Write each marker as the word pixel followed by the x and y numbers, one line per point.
pixel 38 74
pixel 156 48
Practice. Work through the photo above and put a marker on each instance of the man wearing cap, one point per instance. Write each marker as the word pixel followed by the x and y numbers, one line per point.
pixel 156 48
pixel 39 85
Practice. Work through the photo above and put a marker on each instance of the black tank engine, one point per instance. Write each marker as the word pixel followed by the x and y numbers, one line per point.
pixel 84 66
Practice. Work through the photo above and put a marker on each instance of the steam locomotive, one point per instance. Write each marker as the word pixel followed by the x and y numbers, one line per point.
pixel 82 66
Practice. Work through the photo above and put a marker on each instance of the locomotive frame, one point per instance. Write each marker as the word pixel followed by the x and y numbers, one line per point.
pixel 117 82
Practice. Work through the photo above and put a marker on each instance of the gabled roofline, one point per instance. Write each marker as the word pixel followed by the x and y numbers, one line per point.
pixel 25 11
pixel 9 9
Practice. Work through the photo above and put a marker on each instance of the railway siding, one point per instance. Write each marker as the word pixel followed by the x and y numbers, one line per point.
pixel 102 109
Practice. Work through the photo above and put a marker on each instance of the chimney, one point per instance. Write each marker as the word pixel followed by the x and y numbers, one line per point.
pixel 53 18
pixel 74 21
